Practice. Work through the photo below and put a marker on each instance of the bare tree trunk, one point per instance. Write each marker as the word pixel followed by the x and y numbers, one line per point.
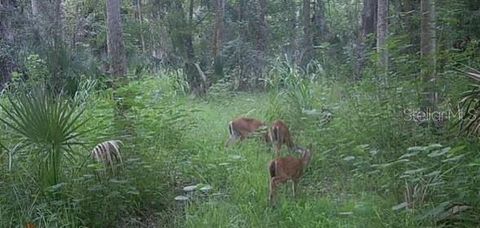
pixel 307 35
pixel 382 33
pixel 35 7
pixel 368 27
pixel 322 32
pixel 262 26
pixel 261 39
pixel 116 49
pixel 409 9
pixel 291 48
pixel 427 50
pixel 218 37
pixel 369 17
pixel 57 33
pixel 118 70
pixel 140 19
pixel 7 37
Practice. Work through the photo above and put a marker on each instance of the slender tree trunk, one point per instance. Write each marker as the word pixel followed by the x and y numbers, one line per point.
pixel 368 27
pixel 262 37
pixel 58 44
pixel 307 35
pixel 292 49
pixel 409 9
pixel 116 49
pixel 322 32
pixel 262 26
pixel 118 70
pixel 427 50
pixel 218 37
pixel 140 20
pixel 7 37
pixel 35 7
pixel 382 33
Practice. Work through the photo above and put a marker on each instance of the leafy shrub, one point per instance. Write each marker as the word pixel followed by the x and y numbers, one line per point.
pixel 48 126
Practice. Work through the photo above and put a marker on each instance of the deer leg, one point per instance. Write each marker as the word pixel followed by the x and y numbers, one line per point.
pixel 274 183
pixel 294 188
pixel 278 146
pixel 231 140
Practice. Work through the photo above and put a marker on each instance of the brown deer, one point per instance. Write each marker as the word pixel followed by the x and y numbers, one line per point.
pixel 241 128
pixel 287 168
pixel 279 135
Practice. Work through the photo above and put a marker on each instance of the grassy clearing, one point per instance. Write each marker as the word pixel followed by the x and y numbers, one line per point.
pixel 240 179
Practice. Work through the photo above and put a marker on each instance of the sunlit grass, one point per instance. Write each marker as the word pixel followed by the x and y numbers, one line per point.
pixel 240 179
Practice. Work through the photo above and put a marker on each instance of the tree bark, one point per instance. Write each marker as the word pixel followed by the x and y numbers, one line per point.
pixel 382 33
pixel 262 26
pixel 7 38
pixel 322 32
pixel 307 35
pixel 35 7
pixel 218 37
pixel 427 51
pixel 368 27
pixel 369 17
pixel 116 49
pixel 261 41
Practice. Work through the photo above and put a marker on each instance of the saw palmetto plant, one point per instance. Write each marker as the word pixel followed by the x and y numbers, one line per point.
pixel 48 127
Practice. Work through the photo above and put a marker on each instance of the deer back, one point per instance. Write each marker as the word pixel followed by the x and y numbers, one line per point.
pixel 289 166
pixel 245 126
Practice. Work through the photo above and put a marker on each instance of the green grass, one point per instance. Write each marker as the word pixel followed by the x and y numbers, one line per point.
pixel 353 180
pixel 240 179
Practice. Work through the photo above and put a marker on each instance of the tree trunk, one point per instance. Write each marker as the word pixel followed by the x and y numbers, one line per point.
pixel 35 7
pixel 118 70
pixel 369 17
pixel 7 37
pixel 218 37
pixel 261 40
pixel 57 32
pixel 409 9
pixel 322 32
pixel 116 49
pixel 140 20
pixel 427 51
pixel 382 33
pixel 368 27
pixel 292 47
pixel 307 35
pixel 262 27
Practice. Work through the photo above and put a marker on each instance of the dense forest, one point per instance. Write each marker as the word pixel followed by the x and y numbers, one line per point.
pixel 239 113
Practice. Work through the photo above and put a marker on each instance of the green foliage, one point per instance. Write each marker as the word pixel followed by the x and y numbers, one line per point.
pixel 48 126
pixel 37 70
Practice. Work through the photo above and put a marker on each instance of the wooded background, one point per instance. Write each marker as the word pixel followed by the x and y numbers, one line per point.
pixel 234 41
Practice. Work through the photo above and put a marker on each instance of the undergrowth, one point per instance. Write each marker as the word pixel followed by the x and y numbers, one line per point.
pixel 373 164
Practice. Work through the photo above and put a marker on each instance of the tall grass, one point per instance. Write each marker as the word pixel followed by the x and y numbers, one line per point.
pixel 371 167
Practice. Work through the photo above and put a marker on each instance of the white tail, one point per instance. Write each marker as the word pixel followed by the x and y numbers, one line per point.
pixel 280 135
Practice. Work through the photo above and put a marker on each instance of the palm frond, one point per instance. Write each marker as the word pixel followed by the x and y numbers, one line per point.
pixel 47 122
